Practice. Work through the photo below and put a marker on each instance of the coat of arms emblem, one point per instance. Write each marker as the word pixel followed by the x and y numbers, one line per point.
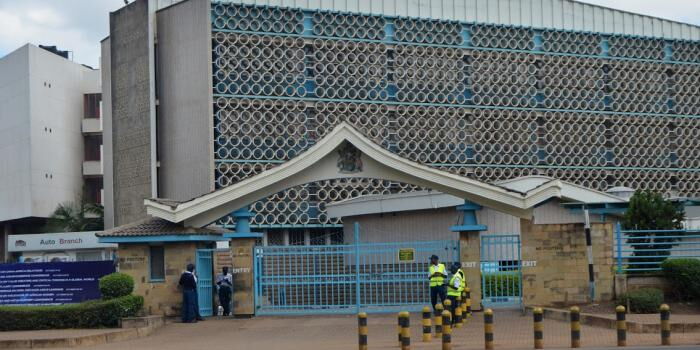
pixel 349 159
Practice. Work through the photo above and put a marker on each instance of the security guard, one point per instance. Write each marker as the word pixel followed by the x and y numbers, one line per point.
pixel 455 286
pixel 462 275
pixel 437 276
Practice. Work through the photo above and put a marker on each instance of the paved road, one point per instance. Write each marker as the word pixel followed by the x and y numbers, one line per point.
pixel 512 331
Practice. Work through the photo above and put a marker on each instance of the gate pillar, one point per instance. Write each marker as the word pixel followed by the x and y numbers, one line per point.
pixel 242 244
pixel 470 249
pixel 470 254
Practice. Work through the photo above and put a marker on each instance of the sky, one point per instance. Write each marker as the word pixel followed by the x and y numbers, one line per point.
pixel 79 25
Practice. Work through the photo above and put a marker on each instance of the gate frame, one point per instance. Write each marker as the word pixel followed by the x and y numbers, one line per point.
pixel 485 300
pixel 348 308
pixel 202 294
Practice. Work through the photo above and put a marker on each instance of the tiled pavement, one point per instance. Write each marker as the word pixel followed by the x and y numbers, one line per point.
pixel 512 331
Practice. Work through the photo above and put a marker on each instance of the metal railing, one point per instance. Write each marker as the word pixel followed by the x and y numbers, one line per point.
pixel 640 251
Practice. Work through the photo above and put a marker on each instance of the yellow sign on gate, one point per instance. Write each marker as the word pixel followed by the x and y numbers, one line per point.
pixel 407 255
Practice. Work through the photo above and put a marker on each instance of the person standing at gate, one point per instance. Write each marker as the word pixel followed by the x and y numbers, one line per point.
pixel 437 276
pixel 188 284
pixel 224 282
pixel 455 287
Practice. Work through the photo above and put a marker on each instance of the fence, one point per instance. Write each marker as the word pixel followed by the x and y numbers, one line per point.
pixel 373 277
pixel 640 251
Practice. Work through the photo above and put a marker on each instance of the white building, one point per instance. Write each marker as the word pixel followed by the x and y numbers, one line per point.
pixel 50 137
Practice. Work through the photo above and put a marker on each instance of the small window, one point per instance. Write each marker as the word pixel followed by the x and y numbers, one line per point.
pixel 157 259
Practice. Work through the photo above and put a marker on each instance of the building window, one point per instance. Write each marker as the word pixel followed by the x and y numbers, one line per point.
pixel 157 259
pixel 92 147
pixel 88 256
pixel 91 105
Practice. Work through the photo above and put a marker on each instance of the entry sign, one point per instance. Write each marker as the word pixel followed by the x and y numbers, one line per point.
pixel 51 283
pixel 407 255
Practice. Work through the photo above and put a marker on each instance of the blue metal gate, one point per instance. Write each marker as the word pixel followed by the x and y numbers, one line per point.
pixel 205 290
pixel 501 271
pixel 372 277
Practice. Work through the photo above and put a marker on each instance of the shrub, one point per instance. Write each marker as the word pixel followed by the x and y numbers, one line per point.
pixel 90 314
pixel 501 284
pixel 644 300
pixel 116 285
pixel 684 275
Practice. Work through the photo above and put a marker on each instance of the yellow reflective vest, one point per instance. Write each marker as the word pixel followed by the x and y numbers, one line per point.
pixel 463 277
pixel 457 279
pixel 438 280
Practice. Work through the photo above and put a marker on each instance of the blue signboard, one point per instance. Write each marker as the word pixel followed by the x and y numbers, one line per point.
pixel 51 283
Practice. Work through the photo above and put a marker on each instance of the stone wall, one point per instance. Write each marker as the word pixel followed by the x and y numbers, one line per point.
pixel 557 274
pixel 470 255
pixel 131 108
pixel 160 298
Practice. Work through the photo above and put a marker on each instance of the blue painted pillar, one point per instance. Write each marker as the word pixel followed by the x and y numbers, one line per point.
pixel 469 222
pixel 242 216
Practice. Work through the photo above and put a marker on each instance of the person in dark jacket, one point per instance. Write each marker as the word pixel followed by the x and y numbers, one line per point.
pixel 224 282
pixel 188 283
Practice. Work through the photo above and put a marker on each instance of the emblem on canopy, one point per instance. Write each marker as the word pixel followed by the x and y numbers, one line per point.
pixel 349 159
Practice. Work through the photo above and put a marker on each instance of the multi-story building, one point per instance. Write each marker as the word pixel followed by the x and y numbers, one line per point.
pixel 204 94
pixel 51 137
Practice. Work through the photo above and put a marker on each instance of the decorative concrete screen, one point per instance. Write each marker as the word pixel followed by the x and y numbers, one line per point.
pixel 484 101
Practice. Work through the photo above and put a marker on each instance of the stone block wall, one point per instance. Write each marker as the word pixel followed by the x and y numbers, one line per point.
pixel 160 298
pixel 558 272
pixel 470 251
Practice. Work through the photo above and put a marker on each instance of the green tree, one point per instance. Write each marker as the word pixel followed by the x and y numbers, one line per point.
pixel 76 216
pixel 649 211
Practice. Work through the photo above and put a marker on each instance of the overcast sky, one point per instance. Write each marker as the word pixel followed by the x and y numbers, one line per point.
pixel 79 25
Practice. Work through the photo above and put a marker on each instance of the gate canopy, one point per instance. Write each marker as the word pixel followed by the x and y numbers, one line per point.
pixel 345 152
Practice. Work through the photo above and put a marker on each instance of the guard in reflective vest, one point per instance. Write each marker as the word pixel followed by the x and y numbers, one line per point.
pixel 455 287
pixel 461 274
pixel 437 275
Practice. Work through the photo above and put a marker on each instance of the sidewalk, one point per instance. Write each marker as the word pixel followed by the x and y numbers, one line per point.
pixel 512 331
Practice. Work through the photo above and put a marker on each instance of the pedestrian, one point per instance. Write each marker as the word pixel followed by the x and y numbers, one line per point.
pixel 188 284
pixel 455 288
pixel 224 282
pixel 436 275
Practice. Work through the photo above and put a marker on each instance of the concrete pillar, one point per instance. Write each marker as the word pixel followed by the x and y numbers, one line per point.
pixel 243 270
pixel 243 275
pixel 470 251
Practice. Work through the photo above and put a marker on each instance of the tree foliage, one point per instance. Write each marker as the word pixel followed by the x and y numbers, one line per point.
pixel 76 217
pixel 649 211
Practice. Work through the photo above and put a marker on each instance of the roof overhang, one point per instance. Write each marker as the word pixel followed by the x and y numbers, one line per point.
pixel 321 162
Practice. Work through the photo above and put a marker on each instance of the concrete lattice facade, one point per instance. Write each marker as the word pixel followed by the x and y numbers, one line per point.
pixel 484 101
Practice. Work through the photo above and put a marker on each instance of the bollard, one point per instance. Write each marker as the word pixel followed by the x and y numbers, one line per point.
pixel 427 331
pixel 575 327
pixel 621 314
pixel 362 330
pixel 464 305
pixel 458 314
pixel 468 301
pixel 665 312
pixel 446 330
pixel 398 327
pixel 438 321
pixel 488 329
pixel 405 331
pixel 538 317
pixel 448 308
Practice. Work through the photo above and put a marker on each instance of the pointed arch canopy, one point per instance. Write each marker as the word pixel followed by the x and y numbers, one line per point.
pixel 342 153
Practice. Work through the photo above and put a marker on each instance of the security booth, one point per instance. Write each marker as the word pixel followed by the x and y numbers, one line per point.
pixel 155 252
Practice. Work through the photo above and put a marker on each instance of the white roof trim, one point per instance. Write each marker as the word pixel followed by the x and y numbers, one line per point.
pixel 315 164
pixel 422 200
